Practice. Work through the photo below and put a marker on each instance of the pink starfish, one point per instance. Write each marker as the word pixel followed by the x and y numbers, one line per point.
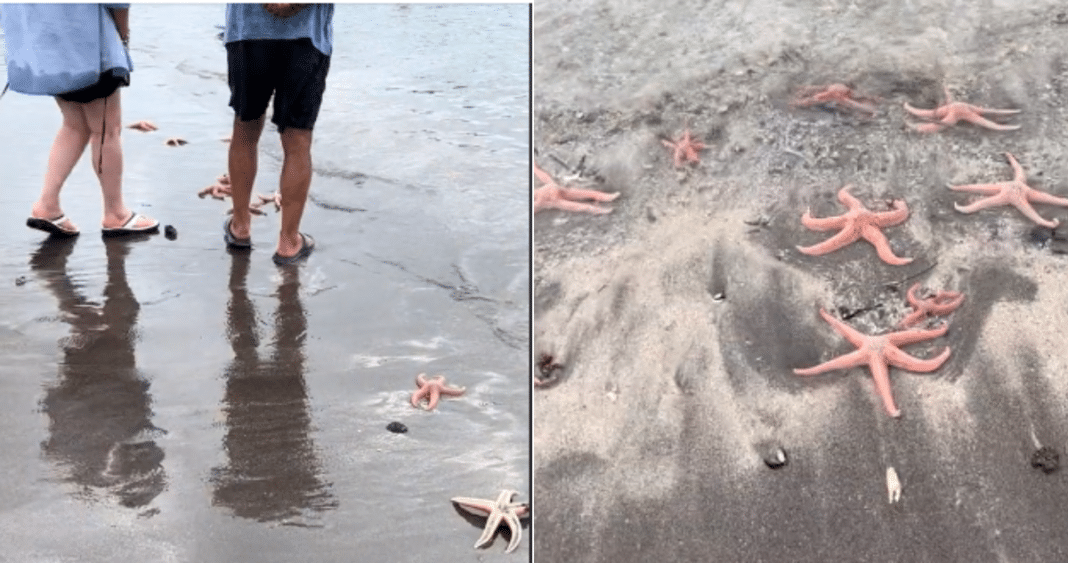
pixel 1015 192
pixel 878 353
pixel 941 303
pixel 555 196
pixel 219 190
pixel 274 198
pixel 143 126
pixel 832 95
pixel 432 389
pixel 855 224
pixel 685 149
pixel 952 112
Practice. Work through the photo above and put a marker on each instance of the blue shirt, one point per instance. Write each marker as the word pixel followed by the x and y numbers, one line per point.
pixel 58 48
pixel 252 21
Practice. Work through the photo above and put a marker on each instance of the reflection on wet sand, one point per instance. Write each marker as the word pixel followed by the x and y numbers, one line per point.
pixel 100 429
pixel 273 473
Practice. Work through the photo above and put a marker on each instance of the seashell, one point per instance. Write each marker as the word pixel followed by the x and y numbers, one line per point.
pixel 893 485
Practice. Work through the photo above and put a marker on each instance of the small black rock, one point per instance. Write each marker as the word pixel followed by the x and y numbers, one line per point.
pixel 396 428
pixel 170 232
pixel 1046 458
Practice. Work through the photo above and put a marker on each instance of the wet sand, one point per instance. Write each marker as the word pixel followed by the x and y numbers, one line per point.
pixel 679 317
pixel 168 400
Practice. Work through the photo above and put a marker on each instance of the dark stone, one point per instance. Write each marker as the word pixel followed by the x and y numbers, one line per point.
pixel 21 280
pixel 170 232
pixel 396 428
pixel 1046 458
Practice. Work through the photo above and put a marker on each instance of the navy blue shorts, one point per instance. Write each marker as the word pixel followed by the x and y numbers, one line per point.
pixel 291 69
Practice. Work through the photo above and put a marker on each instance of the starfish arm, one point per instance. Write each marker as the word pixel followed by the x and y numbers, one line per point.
pixel 435 396
pixel 910 295
pixel 1017 170
pixel 475 506
pixel 985 203
pixel 993 111
pixel 1033 215
pixel 899 211
pixel 880 373
pixel 845 237
pixel 578 207
pixel 882 246
pixel 846 361
pixel 913 318
pixel 420 380
pixel 1050 199
pixel 922 113
pixel 984 189
pixel 946 302
pixel 908 362
pixel 512 520
pixel 905 337
pixel 677 158
pixel 822 223
pixel 542 175
pixel 984 122
pixel 854 336
pixel 576 193
pixel 847 198
pixel 927 127
pixel 858 105
pixel 418 396
pixel 452 391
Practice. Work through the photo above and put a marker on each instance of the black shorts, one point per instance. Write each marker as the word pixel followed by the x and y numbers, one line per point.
pixel 104 87
pixel 291 69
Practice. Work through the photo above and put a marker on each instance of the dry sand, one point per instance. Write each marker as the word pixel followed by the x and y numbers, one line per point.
pixel 679 317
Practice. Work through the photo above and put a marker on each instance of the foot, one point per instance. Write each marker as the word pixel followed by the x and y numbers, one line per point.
pixel 48 213
pixel 115 222
pixel 307 244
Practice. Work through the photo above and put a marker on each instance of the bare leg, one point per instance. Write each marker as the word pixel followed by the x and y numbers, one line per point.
pixel 244 147
pixel 67 148
pixel 296 181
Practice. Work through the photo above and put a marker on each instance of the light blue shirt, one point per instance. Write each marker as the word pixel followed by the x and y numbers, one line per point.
pixel 252 21
pixel 57 48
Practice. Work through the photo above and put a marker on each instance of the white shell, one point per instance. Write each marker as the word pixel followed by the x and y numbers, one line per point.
pixel 893 485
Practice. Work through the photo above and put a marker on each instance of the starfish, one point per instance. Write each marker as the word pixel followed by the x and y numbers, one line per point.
pixel 143 126
pixel 832 95
pixel 941 303
pixel 502 510
pixel 275 198
pixel 685 149
pixel 219 190
pixel 952 112
pixel 553 195
pixel 878 352
pixel 432 389
pixel 1015 192
pixel 857 223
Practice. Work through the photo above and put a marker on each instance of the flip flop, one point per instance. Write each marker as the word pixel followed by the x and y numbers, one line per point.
pixel 51 226
pixel 127 228
pixel 231 240
pixel 306 248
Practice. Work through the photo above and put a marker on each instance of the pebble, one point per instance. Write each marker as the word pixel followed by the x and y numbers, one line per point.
pixel 775 457
pixel 1046 458
pixel 170 232
pixel 396 427
pixel 21 280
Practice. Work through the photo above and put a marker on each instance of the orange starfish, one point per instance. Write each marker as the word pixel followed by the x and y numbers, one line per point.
pixel 941 303
pixel 952 112
pixel 857 223
pixel 1015 192
pixel 832 95
pixel 685 148
pixel 432 389
pixel 555 196
pixel 878 353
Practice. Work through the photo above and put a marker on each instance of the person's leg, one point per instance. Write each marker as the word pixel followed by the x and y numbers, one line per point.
pixel 67 148
pixel 105 124
pixel 244 148
pixel 295 182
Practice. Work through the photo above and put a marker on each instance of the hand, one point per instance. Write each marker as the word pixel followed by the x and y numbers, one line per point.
pixel 283 10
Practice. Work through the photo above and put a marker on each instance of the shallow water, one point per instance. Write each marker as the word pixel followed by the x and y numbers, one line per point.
pixel 178 402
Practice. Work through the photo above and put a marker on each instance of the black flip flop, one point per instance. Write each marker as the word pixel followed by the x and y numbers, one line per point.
pixel 231 240
pixel 51 226
pixel 306 248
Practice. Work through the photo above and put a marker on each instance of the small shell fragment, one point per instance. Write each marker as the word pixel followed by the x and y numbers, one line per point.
pixel 893 485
